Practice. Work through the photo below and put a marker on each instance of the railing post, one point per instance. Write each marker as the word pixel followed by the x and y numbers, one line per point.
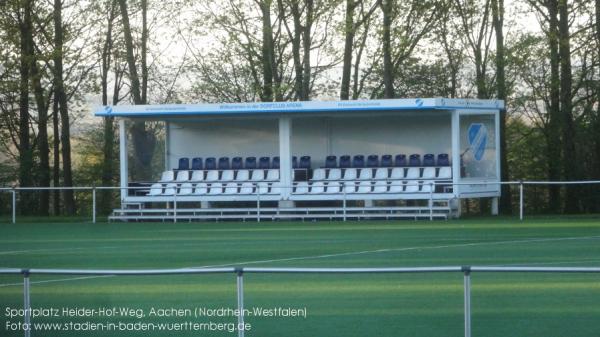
pixel 344 202
pixel 430 201
pixel 257 203
pixel 467 293
pixel 94 204
pixel 175 206
pixel 124 192
pixel 14 206
pixel 26 304
pixel 240 301
pixel 521 200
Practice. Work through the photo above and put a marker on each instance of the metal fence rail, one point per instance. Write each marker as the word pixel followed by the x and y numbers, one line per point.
pixel 239 272
pixel 93 190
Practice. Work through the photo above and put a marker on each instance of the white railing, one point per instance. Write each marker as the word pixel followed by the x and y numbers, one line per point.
pixel 239 272
pixel 432 185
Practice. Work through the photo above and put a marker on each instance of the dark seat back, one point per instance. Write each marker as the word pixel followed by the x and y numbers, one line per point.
pixel 197 163
pixel 210 163
pixel 237 163
pixel 429 160
pixel 386 160
pixel 373 160
pixel 224 163
pixel 400 160
pixel 305 162
pixel 331 161
pixel 345 161
pixel 443 159
pixel 250 163
pixel 264 163
pixel 414 160
pixel 184 164
pixel 358 161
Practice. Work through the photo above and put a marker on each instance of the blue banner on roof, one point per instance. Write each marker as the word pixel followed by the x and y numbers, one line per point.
pixel 261 108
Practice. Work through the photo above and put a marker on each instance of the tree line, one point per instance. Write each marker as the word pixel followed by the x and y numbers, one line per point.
pixel 60 57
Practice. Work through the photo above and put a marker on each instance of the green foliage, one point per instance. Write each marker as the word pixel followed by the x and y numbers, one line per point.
pixel 418 78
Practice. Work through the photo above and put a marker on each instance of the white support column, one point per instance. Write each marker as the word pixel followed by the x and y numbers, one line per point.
pixel 494 206
pixel 455 151
pixel 498 158
pixel 498 145
pixel 123 158
pixel 167 141
pixel 285 155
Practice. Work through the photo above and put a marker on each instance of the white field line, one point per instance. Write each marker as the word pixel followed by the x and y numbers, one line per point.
pixel 55 280
pixel 324 256
pixel 16 252
pixel 50 250
pixel 520 264
pixel 386 250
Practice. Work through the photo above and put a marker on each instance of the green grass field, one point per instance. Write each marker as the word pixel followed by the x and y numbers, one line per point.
pixel 542 305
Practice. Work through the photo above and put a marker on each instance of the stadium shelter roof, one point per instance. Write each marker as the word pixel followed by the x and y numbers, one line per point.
pixel 265 109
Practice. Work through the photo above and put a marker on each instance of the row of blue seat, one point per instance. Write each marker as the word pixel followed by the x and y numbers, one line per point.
pixel 400 160
pixel 238 163
pixel 345 161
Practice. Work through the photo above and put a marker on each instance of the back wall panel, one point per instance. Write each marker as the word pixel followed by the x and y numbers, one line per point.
pixel 314 136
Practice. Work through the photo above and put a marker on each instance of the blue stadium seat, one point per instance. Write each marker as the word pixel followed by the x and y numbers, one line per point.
pixel 414 160
pixel 345 161
pixel 237 163
pixel 305 162
pixel 294 162
pixel 386 160
pixel 400 160
pixel 184 164
pixel 224 163
pixel 197 164
pixel 358 161
pixel 250 163
pixel 429 160
pixel 443 160
pixel 331 161
pixel 264 163
pixel 373 160
pixel 210 163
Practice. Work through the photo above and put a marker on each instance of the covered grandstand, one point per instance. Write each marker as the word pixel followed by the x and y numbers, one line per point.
pixel 336 159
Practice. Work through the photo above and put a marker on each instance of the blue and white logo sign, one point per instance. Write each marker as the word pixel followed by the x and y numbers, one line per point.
pixel 478 136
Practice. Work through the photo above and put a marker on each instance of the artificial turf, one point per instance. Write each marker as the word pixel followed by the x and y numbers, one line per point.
pixel 541 305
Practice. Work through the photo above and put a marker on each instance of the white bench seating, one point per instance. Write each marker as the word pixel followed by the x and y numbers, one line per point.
pixel 331 181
